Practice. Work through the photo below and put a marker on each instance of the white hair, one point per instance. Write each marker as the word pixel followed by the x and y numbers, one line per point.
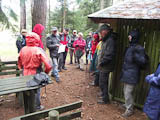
pixel 80 33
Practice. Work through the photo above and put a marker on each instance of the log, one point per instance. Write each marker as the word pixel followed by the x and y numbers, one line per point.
pixel 53 115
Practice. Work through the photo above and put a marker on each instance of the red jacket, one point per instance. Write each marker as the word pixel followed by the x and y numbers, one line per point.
pixel 38 28
pixel 79 44
pixel 94 45
pixel 31 56
pixel 64 39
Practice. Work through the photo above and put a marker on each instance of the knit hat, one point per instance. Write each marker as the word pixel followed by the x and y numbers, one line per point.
pixel 104 27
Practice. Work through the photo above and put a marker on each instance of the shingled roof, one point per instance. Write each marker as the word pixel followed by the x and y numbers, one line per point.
pixel 135 9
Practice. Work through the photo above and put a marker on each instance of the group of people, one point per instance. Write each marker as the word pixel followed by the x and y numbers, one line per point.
pixel 75 44
pixel 101 49
pixel 135 59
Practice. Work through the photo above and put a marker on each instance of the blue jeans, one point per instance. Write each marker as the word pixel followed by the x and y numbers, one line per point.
pixel 55 67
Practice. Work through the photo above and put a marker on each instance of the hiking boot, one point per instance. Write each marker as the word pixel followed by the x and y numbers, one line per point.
pixel 101 101
pixel 39 108
pixel 64 68
pixel 92 83
pixel 127 113
pixel 52 75
pixel 57 80
pixel 100 94
pixel 123 107
pixel 59 70
pixel 81 69
pixel 78 67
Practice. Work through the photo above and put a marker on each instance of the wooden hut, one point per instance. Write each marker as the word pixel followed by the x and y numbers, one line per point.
pixel 145 16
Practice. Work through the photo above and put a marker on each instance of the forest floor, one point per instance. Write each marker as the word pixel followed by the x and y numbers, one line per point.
pixel 74 87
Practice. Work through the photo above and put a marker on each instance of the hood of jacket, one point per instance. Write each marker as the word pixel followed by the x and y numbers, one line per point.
pixel 38 28
pixel 32 39
pixel 135 36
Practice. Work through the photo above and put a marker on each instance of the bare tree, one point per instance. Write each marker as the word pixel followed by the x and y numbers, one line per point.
pixel 39 12
pixel 22 15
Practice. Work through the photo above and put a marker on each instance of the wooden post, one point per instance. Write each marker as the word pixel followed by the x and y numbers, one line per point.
pixel 53 115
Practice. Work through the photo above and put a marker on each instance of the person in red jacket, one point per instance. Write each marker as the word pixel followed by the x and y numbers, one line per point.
pixel 79 46
pixel 64 39
pixel 95 42
pixel 30 59
pixel 38 28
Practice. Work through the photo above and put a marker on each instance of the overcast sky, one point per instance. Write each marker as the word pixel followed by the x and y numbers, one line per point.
pixel 14 4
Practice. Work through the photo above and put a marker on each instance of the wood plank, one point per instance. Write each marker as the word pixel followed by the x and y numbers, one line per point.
pixel 44 113
pixel 10 72
pixel 14 86
pixel 8 67
pixel 11 87
pixel 17 78
pixel 9 62
pixel 18 90
pixel 12 82
pixel 71 116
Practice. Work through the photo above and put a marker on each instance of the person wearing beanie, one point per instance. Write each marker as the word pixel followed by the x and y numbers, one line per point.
pixel 106 61
pixel 134 60
pixel 53 46
pixel 21 40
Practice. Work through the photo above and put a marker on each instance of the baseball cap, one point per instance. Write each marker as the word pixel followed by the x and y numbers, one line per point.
pixel 54 29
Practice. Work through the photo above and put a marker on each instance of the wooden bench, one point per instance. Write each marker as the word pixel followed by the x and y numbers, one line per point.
pixel 9 68
pixel 17 85
pixel 72 109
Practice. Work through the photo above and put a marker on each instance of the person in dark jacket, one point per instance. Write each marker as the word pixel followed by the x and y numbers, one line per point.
pixel 64 38
pixel 88 45
pixel 74 37
pixel 53 45
pixel 134 59
pixel 106 60
pixel 152 104
pixel 21 40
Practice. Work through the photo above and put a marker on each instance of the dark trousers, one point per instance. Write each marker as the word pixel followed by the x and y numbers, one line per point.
pixel 96 80
pixel 87 57
pixel 62 60
pixel 103 84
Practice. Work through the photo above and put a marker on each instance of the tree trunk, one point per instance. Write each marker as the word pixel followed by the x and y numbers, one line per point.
pixel 101 4
pixel 39 12
pixel 49 15
pixel 64 15
pixel 22 15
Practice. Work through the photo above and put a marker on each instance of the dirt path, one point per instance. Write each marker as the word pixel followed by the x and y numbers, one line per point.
pixel 74 87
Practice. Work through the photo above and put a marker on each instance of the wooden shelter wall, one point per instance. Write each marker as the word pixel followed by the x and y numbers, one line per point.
pixel 150 39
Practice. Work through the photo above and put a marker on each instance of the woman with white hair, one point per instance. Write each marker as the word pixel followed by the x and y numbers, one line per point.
pixel 79 46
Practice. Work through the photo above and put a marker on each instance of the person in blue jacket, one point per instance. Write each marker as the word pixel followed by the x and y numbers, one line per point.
pixel 152 104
